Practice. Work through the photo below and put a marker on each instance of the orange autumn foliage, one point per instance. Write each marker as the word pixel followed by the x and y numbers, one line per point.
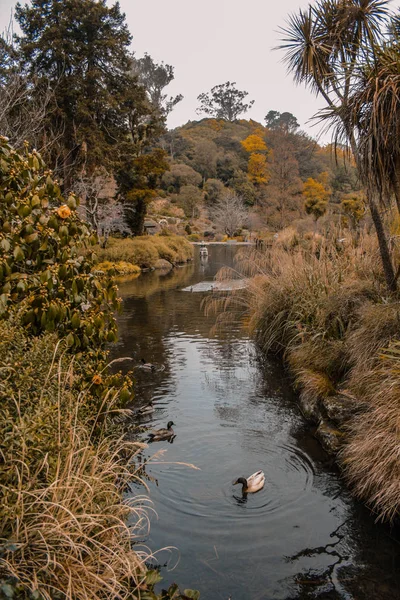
pixel 254 143
pixel 257 169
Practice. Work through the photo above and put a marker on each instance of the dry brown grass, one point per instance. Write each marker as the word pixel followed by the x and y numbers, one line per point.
pixel 65 530
pixel 371 458
pixel 377 326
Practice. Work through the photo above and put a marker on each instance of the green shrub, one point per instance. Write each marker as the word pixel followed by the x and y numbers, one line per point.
pixel 44 268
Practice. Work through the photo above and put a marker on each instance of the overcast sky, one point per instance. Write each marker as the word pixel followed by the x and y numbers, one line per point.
pixel 212 41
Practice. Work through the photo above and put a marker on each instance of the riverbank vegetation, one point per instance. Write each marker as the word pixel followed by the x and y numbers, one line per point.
pixel 144 252
pixel 327 299
pixel 323 306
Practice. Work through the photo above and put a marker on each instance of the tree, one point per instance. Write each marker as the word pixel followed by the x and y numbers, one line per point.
pixel 244 188
pixel 190 199
pixel 214 189
pixel 353 206
pixel 178 176
pixel 285 121
pixel 230 214
pixel 224 101
pixel 227 167
pixel 137 181
pixel 22 115
pixel 257 169
pixel 325 47
pixel 205 158
pixel 316 198
pixel 285 183
pixel 81 49
pixel 254 143
pixel 155 78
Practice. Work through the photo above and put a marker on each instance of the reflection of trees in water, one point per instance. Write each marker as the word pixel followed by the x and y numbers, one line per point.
pixel 150 283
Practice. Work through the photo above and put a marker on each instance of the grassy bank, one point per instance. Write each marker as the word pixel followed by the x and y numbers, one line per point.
pixel 63 525
pixel 130 255
pixel 323 306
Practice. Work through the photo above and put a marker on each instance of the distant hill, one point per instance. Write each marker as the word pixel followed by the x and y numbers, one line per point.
pixel 265 167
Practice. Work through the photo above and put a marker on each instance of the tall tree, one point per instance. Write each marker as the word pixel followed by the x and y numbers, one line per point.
pixel 81 49
pixel 325 47
pixel 224 101
pixel 285 121
pixel 155 77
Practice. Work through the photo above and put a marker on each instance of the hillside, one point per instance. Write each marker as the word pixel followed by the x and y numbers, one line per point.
pixel 274 171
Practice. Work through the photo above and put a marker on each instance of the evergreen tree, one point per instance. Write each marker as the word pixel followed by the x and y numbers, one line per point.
pixel 81 48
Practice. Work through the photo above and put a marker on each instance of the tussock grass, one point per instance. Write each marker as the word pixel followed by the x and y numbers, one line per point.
pixel 144 251
pixel 120 268
pixel 371 458
pixel 377 326
pixel 314 384
pixel 65 530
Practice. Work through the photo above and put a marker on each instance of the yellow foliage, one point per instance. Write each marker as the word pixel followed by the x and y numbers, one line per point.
pixel 316 197
pixel 257 169
pixel 324 179
pixel 353 205
pixel 254 143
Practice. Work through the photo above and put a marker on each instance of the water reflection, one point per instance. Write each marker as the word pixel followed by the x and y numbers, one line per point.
pixel 302 536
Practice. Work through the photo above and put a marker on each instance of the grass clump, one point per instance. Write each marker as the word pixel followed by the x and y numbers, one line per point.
pixel 119 268
pixel 371 457
pixel 145 251
pixel 63 525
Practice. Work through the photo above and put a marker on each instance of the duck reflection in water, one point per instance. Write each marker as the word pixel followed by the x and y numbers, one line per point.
pixel 241 500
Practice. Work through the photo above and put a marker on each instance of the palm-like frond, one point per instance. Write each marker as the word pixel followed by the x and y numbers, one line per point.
pixel 325 44
pixel 374 112
pixel 306 51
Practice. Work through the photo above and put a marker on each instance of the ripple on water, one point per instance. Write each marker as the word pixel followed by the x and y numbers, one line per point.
pixel 207 493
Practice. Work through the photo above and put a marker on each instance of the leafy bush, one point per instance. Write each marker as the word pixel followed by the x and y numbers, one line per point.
pixel 43 267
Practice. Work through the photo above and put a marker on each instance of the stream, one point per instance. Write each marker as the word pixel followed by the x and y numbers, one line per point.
pixel 303 535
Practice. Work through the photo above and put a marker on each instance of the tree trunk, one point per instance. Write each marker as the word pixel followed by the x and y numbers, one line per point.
pixel 135 214
pixel 383 245
pixel 390 277
pixel 397 186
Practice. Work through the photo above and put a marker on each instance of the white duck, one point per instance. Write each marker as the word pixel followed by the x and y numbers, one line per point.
pixel 253 483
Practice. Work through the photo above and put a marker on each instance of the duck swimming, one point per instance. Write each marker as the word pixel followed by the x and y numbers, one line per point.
pixel 253 483
pixel 147 409
pixel 162 434
pixel 147 366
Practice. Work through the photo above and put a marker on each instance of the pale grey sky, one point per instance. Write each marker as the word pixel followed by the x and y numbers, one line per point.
pixel 212 41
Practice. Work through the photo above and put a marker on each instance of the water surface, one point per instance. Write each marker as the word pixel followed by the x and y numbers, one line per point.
pixel 302 536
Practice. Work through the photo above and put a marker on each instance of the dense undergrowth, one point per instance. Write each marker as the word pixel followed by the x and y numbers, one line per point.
pixel 323 305
pixel 65 529
pixel 143 252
